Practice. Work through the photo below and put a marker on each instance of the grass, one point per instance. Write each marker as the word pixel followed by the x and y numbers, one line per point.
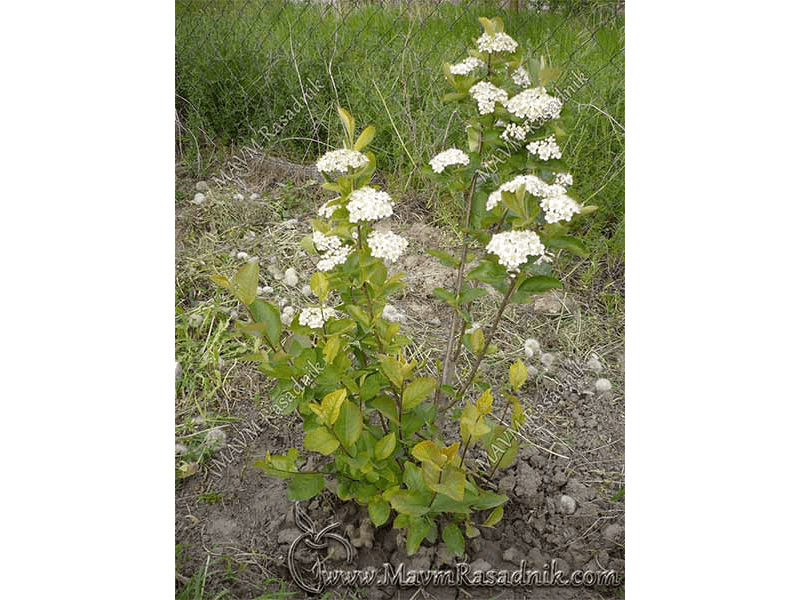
pixel 242 66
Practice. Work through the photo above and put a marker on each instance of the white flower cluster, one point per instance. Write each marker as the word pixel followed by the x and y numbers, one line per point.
pixel 453 156
pixel 521 77
pixel 514 247
pixel 515 132
pixel 545 149
pixel 499 42
pixel 323 242
pixel 486 95
pixel 533 185
pixel 326 210
pixel 466 67
pixel 287 315
pixel 554 201
pixel 559 208
pixel 340 161
pixel 534 104
pixel 564 179
pixel 335 253
pixel 368 204
pixel 387 245
pixel 315 317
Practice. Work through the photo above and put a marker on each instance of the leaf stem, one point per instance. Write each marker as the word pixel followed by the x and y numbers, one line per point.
pixel 444 375
pixel 511 289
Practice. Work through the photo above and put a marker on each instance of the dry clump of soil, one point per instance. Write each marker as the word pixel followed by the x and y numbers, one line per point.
pixel 564 501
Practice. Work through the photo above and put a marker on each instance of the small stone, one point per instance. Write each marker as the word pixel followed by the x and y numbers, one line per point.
pixel 199 198
pixel 561 565
pixel 480 565
pixel 536 558
pixel 275 272
pixel 567 504
pixel 291 277
pixel 513 555
pixel 507 483
pixel 559 479
pixel 178 370
pixel 307 291
pixel 594 365
pixel 201 186
pixel 255 196
pixel 287 536
pixel 242 255
pixel 602 385
pixel 238 197
pixel 444 558
pixel 422 560
pixel 528 482
pixel 612 533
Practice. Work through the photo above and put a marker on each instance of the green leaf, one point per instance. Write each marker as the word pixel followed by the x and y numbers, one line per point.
pixel 517 374
pixel 304 487
pixel 454 539
pixel 331 349
pixel 453 97
pixel 387 408
pixel 452 483
pixel 319 285
pixel 468 294
pixel 412 477
pixel 417 391
pixel 494 518
pixel 471 530
pixel 427 451
pixel 392 368
pixel 539 284
pixel 379 510
pixel 359 314
pixel 570 244
pixel 350 423
pixel 445 295
pixel 385 446
pixel 443 257
pixel 264 312
pixel 489 500
pixel 332 404
pixel 489 272
pixel 417 531
pixel 321 440
pixel 365 138
pixel 488 25
pixel 507 457
pixel 414 504
pixel 222 282
pixel 348 122
pixel 484 402
pixel 246 282
pixel 333 187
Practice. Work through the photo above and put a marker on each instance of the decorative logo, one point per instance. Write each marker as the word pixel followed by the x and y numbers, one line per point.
pixel 316 540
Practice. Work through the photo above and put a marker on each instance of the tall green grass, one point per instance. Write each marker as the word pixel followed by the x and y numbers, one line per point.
pixel 239 67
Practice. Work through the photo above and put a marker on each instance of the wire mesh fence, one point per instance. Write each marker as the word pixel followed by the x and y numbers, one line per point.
pixel 263 77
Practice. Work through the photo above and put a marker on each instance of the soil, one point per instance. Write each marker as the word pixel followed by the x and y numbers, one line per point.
pixel 564 494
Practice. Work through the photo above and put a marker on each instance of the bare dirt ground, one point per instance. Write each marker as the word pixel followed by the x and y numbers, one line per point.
pixel 234 525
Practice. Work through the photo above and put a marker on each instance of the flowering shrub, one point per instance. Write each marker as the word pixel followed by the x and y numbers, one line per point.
pixel 341 361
